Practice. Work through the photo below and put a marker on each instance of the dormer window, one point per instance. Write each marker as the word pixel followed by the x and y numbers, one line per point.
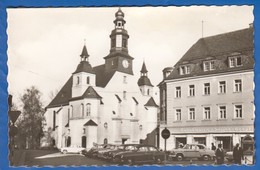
pixel 209 65
pixel 185 69
pixel 235 61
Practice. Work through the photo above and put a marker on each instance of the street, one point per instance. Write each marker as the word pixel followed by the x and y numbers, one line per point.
pixel 54 158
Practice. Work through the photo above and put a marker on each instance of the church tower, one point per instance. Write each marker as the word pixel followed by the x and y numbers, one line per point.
pixel 118 58
pixel 84 75
pixel 144 82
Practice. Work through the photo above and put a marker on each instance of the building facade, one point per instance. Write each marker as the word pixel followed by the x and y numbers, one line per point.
pixel 105 103
pixel 208 96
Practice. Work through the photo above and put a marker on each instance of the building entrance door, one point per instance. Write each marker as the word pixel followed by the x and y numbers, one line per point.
pixel 226 141
pixel 124 140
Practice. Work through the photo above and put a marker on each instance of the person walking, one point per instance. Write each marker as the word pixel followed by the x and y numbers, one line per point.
pixel 219 155
pixel 238 154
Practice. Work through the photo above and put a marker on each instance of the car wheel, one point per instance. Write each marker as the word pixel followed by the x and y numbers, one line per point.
pixel 179 157
pixel 206 157
pixel 64 151
pixel 130 161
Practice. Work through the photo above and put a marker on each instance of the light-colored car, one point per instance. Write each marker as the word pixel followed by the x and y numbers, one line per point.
pixel 72 149
pixel 198 151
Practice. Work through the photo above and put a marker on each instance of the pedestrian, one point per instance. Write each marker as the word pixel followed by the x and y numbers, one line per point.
pixel 238 154
pixel 219 155
pixel 213 147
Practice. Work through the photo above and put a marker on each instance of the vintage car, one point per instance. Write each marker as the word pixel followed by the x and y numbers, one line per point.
pixel 94 150
pixel 140 154
pixel 109 155
pixel 72 149
pixel 198 151
pixel 110 147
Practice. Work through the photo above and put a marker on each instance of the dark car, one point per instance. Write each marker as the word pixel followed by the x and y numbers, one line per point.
pixel 109 155
pixel 93 152
pixel 140 154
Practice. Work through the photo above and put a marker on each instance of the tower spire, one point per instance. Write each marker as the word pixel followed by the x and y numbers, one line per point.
pixel 144 70
pixel 84 54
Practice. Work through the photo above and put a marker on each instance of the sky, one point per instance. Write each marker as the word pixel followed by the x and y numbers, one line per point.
pixel 44 44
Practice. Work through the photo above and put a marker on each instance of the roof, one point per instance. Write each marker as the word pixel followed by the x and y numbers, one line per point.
pixel 151 103
pixel 89 93
pixel 119 53
pixel 219 48
pixel 90 123
pixel 144 70
pixel 84 52
pixel 84 66
pixel 63 96
pixel 144 80
pixel 103 76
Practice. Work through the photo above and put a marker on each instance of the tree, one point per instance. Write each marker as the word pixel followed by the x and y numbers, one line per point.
pixel 30 124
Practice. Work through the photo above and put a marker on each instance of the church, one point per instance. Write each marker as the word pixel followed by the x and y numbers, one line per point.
pixel 105 103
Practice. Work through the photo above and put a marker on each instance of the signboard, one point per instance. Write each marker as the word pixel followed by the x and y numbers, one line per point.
pixel 165 133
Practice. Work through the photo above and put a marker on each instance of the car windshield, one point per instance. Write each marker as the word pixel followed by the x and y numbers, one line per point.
pixel 130 148
pixel 186 147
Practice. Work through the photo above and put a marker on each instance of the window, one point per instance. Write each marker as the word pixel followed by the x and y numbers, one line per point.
pixel 178 92
pixel 191 113
pixel 105 141
pixel 238 86
pixel 84 130
pixel 54 120
pixel 124 43
pixel 78 80
pixel 88 108
pixel 222 87
pixel 71 108
pixel 206 88
pixel 125 79
pixel 148 91
pixel 207 113
pixel 82 109
pixel 113 42
pixel 238 111
pixel 124 94
pixel 222 112
pixel 185 70
pixel 209 65
pixel 235 62
pixel 88 80
pixel 191 90
pixel 178 114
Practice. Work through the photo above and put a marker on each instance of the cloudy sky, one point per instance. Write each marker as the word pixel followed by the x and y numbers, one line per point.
pixel 44 44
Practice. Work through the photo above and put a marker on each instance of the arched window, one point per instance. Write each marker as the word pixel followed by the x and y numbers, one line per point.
pixel 83 141
pixel 88 109
pixel 88 80
pixel 105 141
pixel 71 108
pixel 148 92
pixel 78 80
pixel 82 109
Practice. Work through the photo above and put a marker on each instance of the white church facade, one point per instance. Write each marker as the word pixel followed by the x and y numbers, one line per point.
pixel 105 103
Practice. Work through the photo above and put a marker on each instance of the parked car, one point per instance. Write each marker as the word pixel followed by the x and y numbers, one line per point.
pixel 72 149
pixel 109 147
pixel 94 150
pixel 140 154
pixel 109 155
pixel 198 151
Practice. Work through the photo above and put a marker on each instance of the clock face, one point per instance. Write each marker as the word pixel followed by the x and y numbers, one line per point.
pixel 125 64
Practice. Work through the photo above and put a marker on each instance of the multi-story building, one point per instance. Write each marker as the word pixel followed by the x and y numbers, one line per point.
pixel 106 103
pixel 208 96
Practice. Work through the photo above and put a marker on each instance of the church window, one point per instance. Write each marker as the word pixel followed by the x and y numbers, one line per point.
pixel 124 94
pixel 84 130
pixel 82 109
pixel 105 141
pixel 71 110
pixel 78 80
pixel 148 91
pixel 88 80
pixel 124 43
pixel 105 125
pixel 88 109
pixel 125 79
pixel 113 42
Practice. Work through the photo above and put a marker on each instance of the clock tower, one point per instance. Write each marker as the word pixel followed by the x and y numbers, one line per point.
pixel 118 58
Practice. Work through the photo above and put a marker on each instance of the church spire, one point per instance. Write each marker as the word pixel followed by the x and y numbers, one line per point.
pixel 144 70
pixel 84 54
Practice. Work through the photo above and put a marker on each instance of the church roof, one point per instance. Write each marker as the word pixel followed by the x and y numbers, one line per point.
pixel 103 76
pixel 84 66
pixel 63 96
pixel 144 70
pixel 219 48
pixel 84 52
pixel 151 102
pixel 119 53
pixel 144 80
pixel 90 123
pixel 89 93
